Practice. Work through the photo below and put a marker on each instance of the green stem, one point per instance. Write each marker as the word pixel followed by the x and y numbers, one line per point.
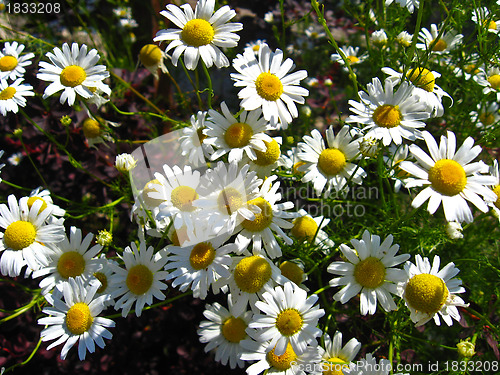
pixel 195 87
pixel 209 82
pixel 27 359
pixel 415 38
pixel 24 308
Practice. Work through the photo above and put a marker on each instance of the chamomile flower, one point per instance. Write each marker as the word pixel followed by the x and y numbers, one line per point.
pixel 409 4
pixel 255 45
pixel 15 158
pixel 430 292
pixel 193 141
pixel 293 270
pixel 388 115
pixel 267 84
pixel 70 258
pixel 495 203
pixel 352 55
pixel 330 166
pixel 291 161
pixel 202 33
pixel 404 38
pixel 448 41
pixel 452 178
pixel 426 89
pixel 198 266
pixel 370 270
pixel 310 229
pixel 12 61
pixel 335 356
pixel 225 191
pixel 486 115
pixel 482 17
pixel 140 281
pixel 104 273
pixel 290 317
pixel 125 162
pixel 76 319
pixel 177 191
pixel 44 195
pixel 72 70
pixel 97 130
pixel 272 217
pixel 250 276
pixel 152 57
pixel 397 154
pixel 223 332
pixel 379 38
pixel 289 363
pixel 26 236
pixel 13 96
pixel 490 80
pixel 229 135
pixel 268 160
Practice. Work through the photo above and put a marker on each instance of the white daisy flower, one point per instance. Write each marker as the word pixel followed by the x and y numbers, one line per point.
pixel 330 166
pixel 225 191
pixel 104 273
pixel 125 162
pixel 490 80
pixel 495 203
pixel 448 41
pixel 229 135
pixel 379 38
pixel 292 162
pixel 26 236
pixel 12 61
pixel 370 270
pixel 404 38
pixel 351 54
pixel 289 317
pixel 202 33
pixel 194 143
pixel 369 365
pixel 70 258
pixel 250 276
pixel 268 85
pixel 140 281
pixel 223 332
pixel 272 217
pixel 177 190
pixel 482 17
pixel 452 178
pixel 268 160
pixel 398 153
pixel 486 115
pixel 454 230
pixel 430 292
pixel 153 59
pixel 289 363
pixel 426 89
pixel 387 115
pixel 72 70
pixel 76 319
pixel 335 356
pixel 255 45
pixel 310 229
pixel 409 4
pixel 12 96
pixel 198 266
pixel 97 130
pixel 15 158
pixel 44 196
pixel 293 270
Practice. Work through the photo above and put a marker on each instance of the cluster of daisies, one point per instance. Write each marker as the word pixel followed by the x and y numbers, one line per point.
pixel 223 212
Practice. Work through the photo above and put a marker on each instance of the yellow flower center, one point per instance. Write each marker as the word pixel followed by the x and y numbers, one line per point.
pixel 7 93
pixel 202 255
pixel 352 59
pixel 255 48
pixel 32 200
pixel 292 272
pixel 426 293
pixel 252 273
pixel 487 118
pixel 150 55
pixel 270 156
pixel 496 190
pixel 387 116
pixel 139 279
pixel 422 78
pixel 471 68
pixel 229 201
pixel 104 281
pixel 269 86
pixel 289 322
pixel 71 264
pixel 19 235
pixel 439 46
pixel 149 188
pixel 492 25
pixel 233 329
pixel 197 32
pixel 8 63
pixel 72 76
pixel 183 197
pixel 262 220
pixel 282 362
pixel 304 228
pixel 331 161
pixel 295 168
pixel 201 136
pixel 91 128
pixel 238 135
pixel 494 81
pixel 334 366
pixel 78 318
pixel 447 177
pixel 370 272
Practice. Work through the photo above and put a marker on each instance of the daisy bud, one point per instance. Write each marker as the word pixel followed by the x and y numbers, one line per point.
pixel 125 162
pixel 104 238
pixel 466 349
